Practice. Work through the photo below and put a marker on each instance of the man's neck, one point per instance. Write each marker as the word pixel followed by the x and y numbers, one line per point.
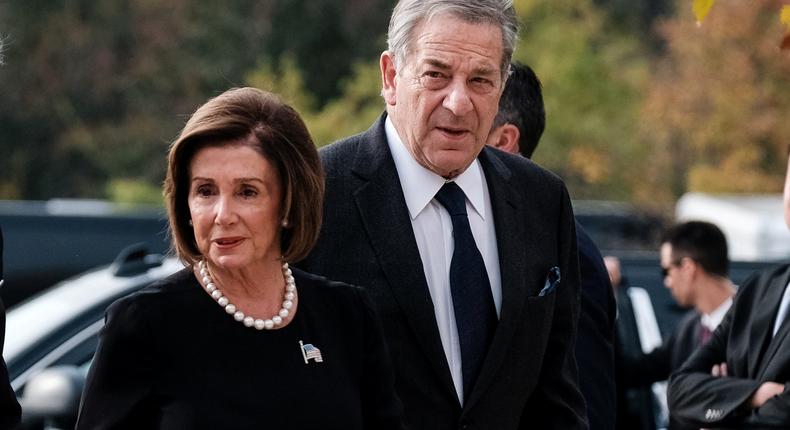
pixel 714 291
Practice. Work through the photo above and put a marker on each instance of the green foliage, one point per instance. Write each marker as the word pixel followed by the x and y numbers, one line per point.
pixel 715 116
pixel 133 191
pixel 352 112
pixel 592 77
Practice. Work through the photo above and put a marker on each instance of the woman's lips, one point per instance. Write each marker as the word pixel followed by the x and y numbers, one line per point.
pixel 227 242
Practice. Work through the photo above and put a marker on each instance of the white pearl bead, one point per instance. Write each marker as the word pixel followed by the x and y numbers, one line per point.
pixel 248 321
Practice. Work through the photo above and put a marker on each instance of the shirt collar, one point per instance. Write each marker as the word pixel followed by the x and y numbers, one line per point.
pixel 420 185
pixel 713 319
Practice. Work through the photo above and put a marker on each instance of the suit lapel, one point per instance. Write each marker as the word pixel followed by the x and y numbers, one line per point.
pixel 385 217
pixel 772 299
pixel 511 239
pixel 761 347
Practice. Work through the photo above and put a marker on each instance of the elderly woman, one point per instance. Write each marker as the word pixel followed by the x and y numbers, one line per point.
pixel 239 339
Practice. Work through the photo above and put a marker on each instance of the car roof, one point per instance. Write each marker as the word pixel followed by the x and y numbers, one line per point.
pixel 28 322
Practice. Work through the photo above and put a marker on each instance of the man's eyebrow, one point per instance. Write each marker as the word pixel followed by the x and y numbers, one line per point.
pixel 435 62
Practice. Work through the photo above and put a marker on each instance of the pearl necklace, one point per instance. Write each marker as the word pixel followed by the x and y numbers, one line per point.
pixel 248 321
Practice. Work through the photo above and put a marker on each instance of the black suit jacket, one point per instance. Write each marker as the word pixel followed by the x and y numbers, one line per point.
pixel 743 340
pixel 9 407
pixel 529 377
pixel 658 364
pixel 594 343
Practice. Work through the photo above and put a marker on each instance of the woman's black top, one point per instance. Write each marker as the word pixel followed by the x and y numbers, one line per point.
pixel 171 358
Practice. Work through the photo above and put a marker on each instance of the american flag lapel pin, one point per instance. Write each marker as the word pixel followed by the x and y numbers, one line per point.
pixel 310 352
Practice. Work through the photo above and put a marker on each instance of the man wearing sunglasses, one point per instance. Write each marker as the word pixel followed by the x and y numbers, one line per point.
pixel 740 378
pixel 694 266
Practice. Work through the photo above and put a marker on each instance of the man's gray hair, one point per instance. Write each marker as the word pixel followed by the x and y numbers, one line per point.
pixel 408 14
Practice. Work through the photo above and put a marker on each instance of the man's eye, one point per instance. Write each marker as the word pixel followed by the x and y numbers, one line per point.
pixel 433 75
pixel 482 81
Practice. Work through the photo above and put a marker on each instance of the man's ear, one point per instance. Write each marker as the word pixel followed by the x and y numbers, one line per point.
pixel 388 77
pixel 506 138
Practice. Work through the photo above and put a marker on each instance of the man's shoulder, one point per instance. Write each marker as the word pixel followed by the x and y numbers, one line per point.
pixel 521 169
pixel 760 278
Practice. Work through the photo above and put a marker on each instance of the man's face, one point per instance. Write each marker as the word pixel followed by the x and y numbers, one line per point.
pixel 444 97
pixel 677 277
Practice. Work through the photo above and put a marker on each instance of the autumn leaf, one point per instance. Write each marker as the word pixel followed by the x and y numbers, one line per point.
pixel 701 9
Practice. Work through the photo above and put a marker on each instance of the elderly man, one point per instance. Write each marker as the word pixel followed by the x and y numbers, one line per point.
pixel 740 377
pixel 468 253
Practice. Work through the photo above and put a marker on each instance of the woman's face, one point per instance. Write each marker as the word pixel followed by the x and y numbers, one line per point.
pixel 234 202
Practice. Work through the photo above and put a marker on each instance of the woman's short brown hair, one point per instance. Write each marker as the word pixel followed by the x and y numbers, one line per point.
pixel 274 129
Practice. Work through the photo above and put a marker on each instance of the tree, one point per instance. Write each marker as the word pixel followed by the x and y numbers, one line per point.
pixel 592 77
pixel 715 115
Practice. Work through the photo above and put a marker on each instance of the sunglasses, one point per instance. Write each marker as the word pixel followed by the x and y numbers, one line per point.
pixel 665 270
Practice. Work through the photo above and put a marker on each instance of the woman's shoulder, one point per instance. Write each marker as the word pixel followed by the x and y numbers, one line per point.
pixel 151 298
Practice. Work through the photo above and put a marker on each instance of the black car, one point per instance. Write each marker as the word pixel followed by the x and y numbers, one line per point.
pixel 51 338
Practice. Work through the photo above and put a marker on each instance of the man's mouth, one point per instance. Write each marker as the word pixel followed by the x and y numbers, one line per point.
pixel 455 132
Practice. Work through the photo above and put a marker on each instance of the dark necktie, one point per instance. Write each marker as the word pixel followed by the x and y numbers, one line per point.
pixel 475 314
pixel 704 334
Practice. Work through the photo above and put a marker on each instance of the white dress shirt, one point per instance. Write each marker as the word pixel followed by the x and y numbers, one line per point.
pixel 713 319
pixel 433 231
pixel 782 313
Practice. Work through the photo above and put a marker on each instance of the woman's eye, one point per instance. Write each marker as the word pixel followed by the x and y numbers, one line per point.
pixel 204 191
pixel 249 192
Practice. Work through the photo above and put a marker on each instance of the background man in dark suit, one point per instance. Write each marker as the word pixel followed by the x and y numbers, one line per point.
pixel 517 129
pixel 468 252
pixel 9 407
pixel 695 265
pixel 740 378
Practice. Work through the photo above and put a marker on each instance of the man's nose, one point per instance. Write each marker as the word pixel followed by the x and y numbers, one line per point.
pixel 457 99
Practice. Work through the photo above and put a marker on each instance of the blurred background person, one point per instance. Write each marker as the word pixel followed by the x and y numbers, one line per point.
pixel 9 407
pixel 517 129
pixel 238 339
pixel 695 268
pixel 740 377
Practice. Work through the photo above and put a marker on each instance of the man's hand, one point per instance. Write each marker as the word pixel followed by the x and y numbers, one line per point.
pixel 719 370
pixel 765 392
